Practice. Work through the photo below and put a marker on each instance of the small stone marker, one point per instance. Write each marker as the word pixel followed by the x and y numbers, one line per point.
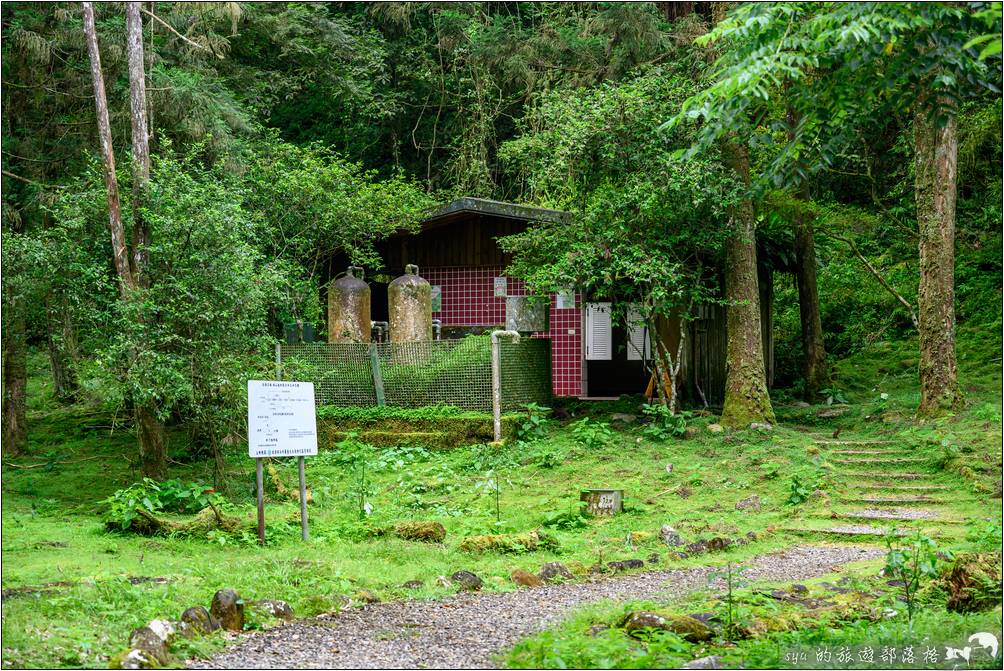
pixel 600 502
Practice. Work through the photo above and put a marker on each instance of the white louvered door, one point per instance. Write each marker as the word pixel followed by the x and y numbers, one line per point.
pixel 599 336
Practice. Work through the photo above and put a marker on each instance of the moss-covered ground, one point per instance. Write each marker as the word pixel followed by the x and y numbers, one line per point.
pixel 73 590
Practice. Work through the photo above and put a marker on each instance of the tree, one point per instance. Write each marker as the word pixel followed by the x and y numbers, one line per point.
pixel 836 65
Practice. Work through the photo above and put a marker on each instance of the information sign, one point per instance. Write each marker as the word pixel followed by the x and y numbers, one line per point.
pixel 281 419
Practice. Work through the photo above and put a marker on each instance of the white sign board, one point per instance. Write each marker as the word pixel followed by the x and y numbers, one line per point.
pixel 281 419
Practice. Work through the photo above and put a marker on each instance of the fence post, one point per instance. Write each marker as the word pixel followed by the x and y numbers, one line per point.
pixel 278 361
pixel 497 379
pixel 377 375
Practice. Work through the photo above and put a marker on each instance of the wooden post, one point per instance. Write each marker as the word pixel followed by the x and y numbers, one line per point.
pixel 378 376
pixel 260 476
pixel 304 530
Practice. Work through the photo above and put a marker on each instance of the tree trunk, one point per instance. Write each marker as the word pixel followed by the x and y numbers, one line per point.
pixel 119 250
pixel 814 369
pixel 152 446
pixel 15 383
pixel 62 349
pixel 935 184
pixel 746 397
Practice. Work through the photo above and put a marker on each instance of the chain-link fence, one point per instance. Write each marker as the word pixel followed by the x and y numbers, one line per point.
pixel 412 375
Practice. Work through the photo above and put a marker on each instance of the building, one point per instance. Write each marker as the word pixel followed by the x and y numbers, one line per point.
pixel 591 356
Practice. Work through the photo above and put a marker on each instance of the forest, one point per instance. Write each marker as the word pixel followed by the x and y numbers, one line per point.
pixel 180 181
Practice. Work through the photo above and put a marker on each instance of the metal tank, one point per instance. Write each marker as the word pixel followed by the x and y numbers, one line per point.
pixel 349 308
pixel 410 302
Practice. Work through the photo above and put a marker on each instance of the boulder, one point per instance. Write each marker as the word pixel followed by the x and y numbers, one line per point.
pixel 509 543
pixel 623 418
pixel 554 571
pixel 625 565
pixel 749 503
pixel 149 641
pixel 525 579
pixel 228 608
pixel 670 536
pixel 715 428
pixel 274 608
pixel 426 532
pixel 709 662
pixel 468 581
pixel 688 628
pixel 199 619
pixel 133 658
pixel 413 584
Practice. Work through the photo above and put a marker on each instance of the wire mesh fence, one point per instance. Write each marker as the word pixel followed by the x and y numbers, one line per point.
pixel 416 374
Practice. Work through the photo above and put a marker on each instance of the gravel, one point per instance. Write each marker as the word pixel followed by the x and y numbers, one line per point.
pixel 894 514
pixel 466 630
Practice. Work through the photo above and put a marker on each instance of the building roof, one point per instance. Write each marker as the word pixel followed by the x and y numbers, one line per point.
pixel 464 207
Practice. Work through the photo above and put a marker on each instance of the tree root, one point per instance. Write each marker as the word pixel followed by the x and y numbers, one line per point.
pixel 206 520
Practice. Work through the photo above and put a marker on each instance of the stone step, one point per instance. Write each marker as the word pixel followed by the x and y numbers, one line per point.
pixel 886 476
pixel 904 488
pixel 869 453
pixel 894 501
pixel 845 530
pixel 831 441
pixel 864 461
pixel 895 515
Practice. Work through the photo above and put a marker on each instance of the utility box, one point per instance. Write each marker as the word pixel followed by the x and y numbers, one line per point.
pixel 527 314
pixel 603 502
pixel 297 332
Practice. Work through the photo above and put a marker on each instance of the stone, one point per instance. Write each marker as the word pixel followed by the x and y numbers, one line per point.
pixel 799 589
pixel 199 619
pixel 715 428
pixel 718 543
pixel 598 629
pixel 365 596
pixel 276 608
pixel 669 468
pixel 801 404
pixel 443 581
pixel 690 432
pixel 166 630
pixel 762 426
pixel 426 532
pixel 555 571
pixel 133 659
pixel 623 418
pixel 525 578
pixel 625 565
pixel 640 536
pixel 577 568
pixel 670 536
pixel 468 581
pixel 518 543
pixel 654 558
pixel 228 608
pixel 147 640
pixel 819 495
pixel 831 412
pixel 695 631
pixel 413 584
pixel 709 662
pixel 749 503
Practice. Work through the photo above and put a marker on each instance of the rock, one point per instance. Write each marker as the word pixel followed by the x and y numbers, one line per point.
pixel 276 608
pixel 681 555
pixel 640 536
pixel 598 629
pixel 801 404
pixel 576 567
pixel 443 581
pixel 715 428
pixel 426 532
pixel 718 543
pixel 468 581
pixel 509 543
pixel 166 630
pixel 690 432
pixel 749 503
pixel 688 628
pixel 555 571
pixel 228 608
pixel 413 584
pixel 147 640
pixel 525 578
pixel 669 468
pixel 799 589
pixel 654 558
pixel 199 619
pixel 751 536
pixel 133 659
pixel 365 596
pixel 625 565
pixel 762 426
pixel 819 495
pixel 623 418
pixel 697 547
pixel 831 412
pixel 709 662
pixel 670 536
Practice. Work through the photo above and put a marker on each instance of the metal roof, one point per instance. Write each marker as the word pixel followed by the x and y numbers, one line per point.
pixel 493 208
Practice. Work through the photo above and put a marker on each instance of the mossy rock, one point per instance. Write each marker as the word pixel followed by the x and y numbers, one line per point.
pixel 973 582
pixel 637 623
pixel 426 532
pixel 529 541
pixel 133 659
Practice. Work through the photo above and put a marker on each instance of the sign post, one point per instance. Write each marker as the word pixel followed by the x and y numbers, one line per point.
pixel 281 423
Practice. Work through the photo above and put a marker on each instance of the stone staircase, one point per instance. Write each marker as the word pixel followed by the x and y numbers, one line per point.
pixel 882 487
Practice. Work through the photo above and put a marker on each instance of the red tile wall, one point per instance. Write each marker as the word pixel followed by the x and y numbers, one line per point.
pixel 468 296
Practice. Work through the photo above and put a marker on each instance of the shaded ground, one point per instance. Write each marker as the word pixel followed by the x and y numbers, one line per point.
pixel 467 630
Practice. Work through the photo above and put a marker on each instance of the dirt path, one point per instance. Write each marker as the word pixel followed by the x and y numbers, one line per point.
pixel 466 630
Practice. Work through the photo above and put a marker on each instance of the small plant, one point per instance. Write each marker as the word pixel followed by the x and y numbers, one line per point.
pixel 534 426
pixel 798 492
pixel 662 423
pixel 732 575
pixel 171 496
pixel 358 456
pixel 985 536
pixel 910 561
pixel 547 456
pixel 566 519
pixel 832 395
pixel 592 434
pixel 490 484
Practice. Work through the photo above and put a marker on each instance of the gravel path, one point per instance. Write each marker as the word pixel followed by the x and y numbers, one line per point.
pixel 465 630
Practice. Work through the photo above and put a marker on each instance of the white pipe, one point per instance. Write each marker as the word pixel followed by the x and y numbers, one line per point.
pixel 497 379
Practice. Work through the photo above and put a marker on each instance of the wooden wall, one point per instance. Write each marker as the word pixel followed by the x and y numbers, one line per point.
pixel 469 242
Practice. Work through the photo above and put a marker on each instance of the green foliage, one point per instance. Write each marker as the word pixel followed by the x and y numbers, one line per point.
pixel 170 496
pixel 358 457
pixel 911 561
pixel 535 425
pixel 799 491
pixel 662 423
pixel 375 413
pixel 732 607
pixel 592 434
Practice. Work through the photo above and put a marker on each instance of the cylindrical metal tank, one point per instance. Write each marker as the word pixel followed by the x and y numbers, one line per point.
pixel 410 302
pixel 349 308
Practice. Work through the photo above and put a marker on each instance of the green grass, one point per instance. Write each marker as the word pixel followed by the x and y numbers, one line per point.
pixel 53 530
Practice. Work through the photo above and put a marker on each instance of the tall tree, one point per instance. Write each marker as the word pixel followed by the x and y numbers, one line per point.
pixel 844 63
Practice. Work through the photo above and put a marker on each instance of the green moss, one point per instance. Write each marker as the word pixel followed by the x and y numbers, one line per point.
pixel 530 541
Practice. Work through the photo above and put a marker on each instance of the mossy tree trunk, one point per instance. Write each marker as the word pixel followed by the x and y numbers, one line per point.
pixel 936 147
pixel 15 383
pixel 746 397
pixel 814 368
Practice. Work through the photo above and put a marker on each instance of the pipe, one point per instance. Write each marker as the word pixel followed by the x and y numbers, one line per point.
pixel 381 328
pixel 497 380
pixel 437 329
